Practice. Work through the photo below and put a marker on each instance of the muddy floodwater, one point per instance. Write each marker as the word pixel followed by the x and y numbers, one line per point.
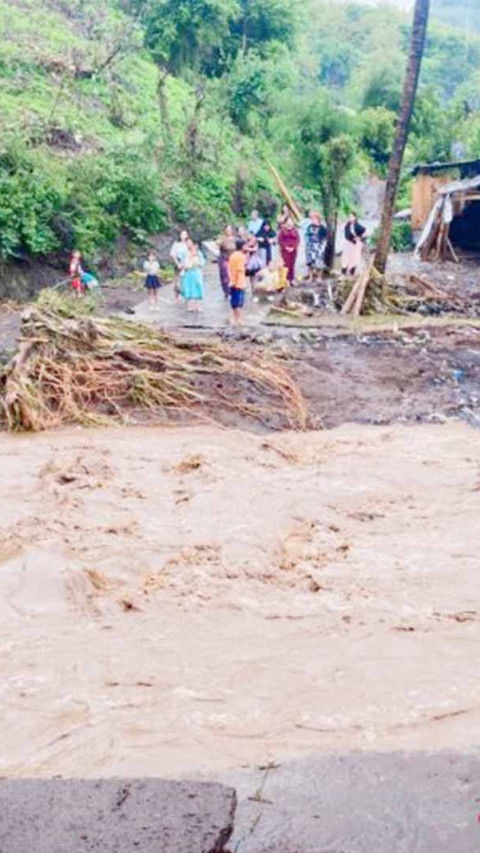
pixel 187 600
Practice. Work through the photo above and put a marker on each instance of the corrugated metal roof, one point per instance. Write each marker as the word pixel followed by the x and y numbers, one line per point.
pixel 460 186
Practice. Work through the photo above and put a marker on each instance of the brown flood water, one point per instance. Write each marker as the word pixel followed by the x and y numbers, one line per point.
pixel 185 600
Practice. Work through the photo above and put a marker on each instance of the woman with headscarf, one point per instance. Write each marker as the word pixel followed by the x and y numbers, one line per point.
pixel 226 246
pixel 354 241
pixel 289 241
pixel 316 241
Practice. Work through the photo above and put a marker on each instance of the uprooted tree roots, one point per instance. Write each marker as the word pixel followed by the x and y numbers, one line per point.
pixel 79 370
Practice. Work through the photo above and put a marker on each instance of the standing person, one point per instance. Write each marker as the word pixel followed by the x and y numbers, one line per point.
pixel 192 286
pixel 266 241
pixel 289 241
pixel 76 273
pixel 316 242
pixel 284 215
pixel 238 278
pixel 255 223
pixel 254 260
pixel 151 269
pixel 226 245
pixel 179 254
pixel 354 241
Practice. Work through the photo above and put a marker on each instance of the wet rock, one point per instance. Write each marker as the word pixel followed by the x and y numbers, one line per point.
pixel 114 816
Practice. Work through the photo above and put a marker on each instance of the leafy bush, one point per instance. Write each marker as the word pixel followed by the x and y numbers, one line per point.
pixel 376 132
pixel 111 194
pixel 29 201
pixel 401 240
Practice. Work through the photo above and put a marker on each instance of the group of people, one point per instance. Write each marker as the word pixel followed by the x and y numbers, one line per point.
pixel 259 239
pixel 247 259
pixel 81 280
pixel 189 261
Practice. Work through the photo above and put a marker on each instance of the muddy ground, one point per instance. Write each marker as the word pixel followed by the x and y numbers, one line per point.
pixel 425 374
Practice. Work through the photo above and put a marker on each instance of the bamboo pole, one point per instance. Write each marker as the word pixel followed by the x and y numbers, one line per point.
pixel 285 193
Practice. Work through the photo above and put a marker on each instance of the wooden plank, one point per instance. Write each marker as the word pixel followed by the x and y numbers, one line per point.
pixel 361 292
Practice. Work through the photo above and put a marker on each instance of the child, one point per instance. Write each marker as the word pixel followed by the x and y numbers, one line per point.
pixel 89 281
pixel 272 279
pixel 237 272
pixel 76 273
pixel 152 281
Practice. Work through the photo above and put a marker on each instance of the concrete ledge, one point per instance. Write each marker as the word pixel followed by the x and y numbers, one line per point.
pixel 113 816
pixel 417 802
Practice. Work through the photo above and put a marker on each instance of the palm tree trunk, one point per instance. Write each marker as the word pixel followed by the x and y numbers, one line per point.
pixel 417 44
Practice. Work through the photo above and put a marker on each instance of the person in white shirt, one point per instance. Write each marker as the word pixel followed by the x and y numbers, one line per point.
pixel 255 224
pixel 151 269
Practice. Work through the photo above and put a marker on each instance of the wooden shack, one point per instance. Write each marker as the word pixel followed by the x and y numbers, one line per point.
pixel 452 227
pixel 429 180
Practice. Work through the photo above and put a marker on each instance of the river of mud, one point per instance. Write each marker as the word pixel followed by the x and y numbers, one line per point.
pixel 185 600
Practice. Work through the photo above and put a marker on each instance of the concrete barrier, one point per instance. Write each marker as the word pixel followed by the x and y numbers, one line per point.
pixel 112 816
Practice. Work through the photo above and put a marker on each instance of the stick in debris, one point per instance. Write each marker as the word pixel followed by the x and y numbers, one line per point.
pixel 285 193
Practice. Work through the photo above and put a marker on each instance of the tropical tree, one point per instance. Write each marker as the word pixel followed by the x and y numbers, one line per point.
pixel 326 153
pixel 182 36
pixel 417 45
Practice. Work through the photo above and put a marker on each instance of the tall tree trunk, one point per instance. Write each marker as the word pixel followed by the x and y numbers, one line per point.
pixel 417 44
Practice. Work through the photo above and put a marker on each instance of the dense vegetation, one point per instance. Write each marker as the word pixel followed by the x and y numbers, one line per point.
pixel 130 115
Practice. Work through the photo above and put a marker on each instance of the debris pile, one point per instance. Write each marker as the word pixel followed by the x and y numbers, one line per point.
pixel 373 293
pixel 73 369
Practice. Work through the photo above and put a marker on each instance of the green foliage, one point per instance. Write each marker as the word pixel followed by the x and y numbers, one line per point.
pixel 253 84
pixel 111 194
pixel 183 34
pixel 325 150
pixel 401 239
pixel 29 201
pixel 376 130
pixel 312 85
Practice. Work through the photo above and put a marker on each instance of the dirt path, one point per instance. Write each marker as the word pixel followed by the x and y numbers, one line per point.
pixel 176 601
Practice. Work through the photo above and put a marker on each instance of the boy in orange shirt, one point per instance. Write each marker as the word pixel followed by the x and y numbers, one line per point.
pixel 237 272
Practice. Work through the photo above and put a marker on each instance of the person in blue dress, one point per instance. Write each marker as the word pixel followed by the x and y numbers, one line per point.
pixel 193 289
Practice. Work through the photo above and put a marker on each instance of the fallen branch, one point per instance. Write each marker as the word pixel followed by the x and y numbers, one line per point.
pixel 83 370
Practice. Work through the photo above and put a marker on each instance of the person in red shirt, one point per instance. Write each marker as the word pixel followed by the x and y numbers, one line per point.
pixel 238 278
pixel 76 272
pixel 289 241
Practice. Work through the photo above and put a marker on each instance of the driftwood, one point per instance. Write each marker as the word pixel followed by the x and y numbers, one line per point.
pixel 427 288
pixel 73 369
pixel 354 302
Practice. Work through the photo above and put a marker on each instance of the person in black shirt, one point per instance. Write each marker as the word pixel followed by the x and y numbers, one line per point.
pixel 266 239
pixel 354 241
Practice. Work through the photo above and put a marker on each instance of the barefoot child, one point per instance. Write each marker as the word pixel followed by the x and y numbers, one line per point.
pixel 238 278
pixel 151 269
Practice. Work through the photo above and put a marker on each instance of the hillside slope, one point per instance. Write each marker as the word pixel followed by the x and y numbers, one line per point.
pixel 93 148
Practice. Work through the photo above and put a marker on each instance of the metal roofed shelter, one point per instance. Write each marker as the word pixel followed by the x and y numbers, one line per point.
pixel 429 178
pixel 453 224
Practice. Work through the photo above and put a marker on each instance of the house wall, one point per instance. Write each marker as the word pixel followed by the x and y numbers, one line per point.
pixel 424 194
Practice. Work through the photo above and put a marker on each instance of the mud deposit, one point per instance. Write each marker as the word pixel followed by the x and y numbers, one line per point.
pixel 191 600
